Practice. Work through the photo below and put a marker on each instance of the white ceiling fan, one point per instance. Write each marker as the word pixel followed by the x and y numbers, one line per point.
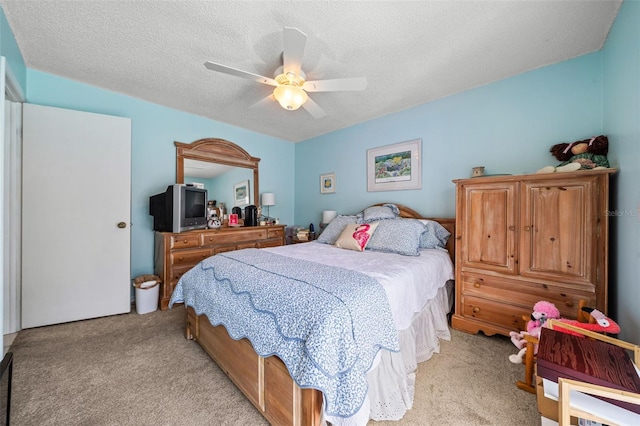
pixel 289 80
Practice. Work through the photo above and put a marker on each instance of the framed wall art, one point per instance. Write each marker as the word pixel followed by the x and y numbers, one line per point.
pixel 328 183
pixel 395 167
pixel 241 194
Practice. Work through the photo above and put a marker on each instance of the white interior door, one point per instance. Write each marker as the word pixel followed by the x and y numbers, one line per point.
pixel 76 191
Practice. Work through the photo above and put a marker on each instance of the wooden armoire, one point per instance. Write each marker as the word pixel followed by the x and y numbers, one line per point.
pixel 525 238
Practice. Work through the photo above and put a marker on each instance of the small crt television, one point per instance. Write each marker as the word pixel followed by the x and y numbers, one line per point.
pixel 180 208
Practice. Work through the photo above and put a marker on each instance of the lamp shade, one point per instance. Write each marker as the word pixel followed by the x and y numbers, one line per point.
pixel 268 199
pixel 328 215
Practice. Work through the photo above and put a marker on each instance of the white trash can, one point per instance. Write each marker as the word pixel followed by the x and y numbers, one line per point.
pixel 147 291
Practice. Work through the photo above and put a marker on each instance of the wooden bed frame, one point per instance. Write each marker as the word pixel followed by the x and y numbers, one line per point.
pixel 266 381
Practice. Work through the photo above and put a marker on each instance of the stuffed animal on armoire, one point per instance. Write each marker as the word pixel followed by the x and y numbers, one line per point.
pixel 587 154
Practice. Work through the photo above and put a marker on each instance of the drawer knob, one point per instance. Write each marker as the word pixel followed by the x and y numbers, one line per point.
pixel 476 310
pixel 181 259
pixel 184 241
pixel 527 228
pixel 569 304
pixel 476 284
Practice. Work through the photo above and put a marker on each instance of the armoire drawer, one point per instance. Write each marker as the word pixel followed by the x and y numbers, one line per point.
pixel 190 257
pixel 524 293
pixel 499 314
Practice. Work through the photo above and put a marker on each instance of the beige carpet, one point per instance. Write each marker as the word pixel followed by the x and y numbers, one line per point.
pixel 139 370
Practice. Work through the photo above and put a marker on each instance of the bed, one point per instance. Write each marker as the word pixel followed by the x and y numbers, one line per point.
pixel 381 315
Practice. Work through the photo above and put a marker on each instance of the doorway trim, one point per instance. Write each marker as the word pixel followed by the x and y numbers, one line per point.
pixel 11 200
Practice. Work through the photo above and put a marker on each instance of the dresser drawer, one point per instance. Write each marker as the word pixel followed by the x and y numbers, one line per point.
pixel 248 244
pixel 269 243
pixel 495 313
pixel 275 233
pixel 177 272
pixel 224 249
pixel 189 257
pixel 233 236
pixel 184 241
pixel 524 293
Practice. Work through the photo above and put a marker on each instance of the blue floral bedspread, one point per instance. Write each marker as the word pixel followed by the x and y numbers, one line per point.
pixel 325 323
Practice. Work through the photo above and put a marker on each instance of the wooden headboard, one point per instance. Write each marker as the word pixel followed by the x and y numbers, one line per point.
pixel 448 223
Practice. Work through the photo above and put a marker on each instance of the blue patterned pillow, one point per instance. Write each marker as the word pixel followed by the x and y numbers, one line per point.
pixel 401 236
pixel 385 211
pixel 334 229
pixel 435 235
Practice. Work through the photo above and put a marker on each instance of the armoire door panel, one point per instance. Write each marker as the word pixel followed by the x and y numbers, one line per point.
pixel 489 240
pixel 556 242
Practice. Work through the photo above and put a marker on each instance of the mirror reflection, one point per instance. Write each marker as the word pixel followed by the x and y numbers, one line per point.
pixel 219 180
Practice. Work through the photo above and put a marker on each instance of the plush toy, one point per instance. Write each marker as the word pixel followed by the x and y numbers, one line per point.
pixel 602 324
pixel 586 154
pixel 542 311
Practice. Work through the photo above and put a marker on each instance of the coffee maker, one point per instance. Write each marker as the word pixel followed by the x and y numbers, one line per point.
pixel 251 216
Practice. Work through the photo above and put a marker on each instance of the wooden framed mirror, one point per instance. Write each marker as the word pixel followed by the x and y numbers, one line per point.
pixel 210 157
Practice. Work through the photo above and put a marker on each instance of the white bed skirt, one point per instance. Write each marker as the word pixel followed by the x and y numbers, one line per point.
pixel 392 377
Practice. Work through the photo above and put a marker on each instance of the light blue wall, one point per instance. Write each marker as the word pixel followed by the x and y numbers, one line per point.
pixel 154 128
pixel 621 106
pixel 507 126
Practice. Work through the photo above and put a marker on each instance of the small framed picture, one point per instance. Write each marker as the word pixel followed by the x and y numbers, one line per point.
pixel 241 194
pixel 233 219
pixel 328 183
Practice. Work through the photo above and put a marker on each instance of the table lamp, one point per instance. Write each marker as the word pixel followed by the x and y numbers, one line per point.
pixel 268 199
pixel 327 216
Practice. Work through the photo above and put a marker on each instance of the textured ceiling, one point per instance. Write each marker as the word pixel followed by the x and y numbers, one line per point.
pixel 411 52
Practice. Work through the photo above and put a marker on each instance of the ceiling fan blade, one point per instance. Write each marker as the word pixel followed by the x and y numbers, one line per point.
pixel 239 73
pixel 293 43
pixel 313 109
pixel 337 85
pixel 264 102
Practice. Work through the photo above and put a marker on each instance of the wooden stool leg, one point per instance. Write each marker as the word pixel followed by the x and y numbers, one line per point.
pixel 529 373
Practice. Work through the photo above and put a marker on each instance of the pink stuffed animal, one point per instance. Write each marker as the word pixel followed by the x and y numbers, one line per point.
pixel 542 311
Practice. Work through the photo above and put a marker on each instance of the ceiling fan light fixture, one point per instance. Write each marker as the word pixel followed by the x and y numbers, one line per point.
pixel 290 97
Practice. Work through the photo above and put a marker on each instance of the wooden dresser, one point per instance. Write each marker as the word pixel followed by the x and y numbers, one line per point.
pixel 522 239
pixel 176 253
